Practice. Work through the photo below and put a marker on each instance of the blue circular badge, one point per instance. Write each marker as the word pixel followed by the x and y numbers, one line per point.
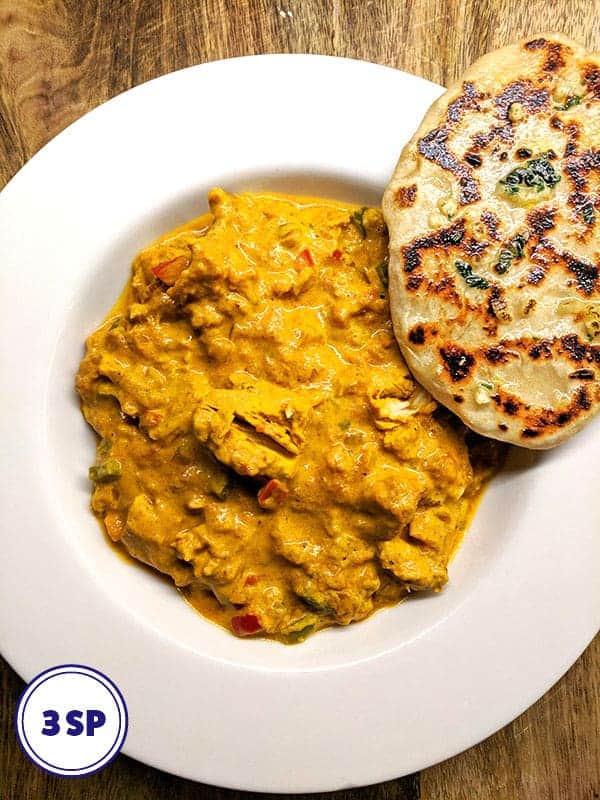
pixel 71 720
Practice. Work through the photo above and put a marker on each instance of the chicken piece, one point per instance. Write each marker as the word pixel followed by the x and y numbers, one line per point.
pixel 437 451
pixel 159 399
pixel 214 558
pixel 393 381
pixel 344 594
pixel 431 526
pixel 146 540
pixel 392 411
pixel 335 576
pixel 256 428
pixel 411 565
pixel 398 490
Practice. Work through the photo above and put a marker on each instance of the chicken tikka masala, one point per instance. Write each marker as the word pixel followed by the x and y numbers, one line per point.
pixel 261 438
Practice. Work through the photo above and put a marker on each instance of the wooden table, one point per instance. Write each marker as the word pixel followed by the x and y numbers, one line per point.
pixel 60 58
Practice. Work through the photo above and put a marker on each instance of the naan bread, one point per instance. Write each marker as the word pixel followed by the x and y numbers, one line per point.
pixel 493 213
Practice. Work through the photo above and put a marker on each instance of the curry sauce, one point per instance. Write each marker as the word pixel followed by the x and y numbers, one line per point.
pixel 262 441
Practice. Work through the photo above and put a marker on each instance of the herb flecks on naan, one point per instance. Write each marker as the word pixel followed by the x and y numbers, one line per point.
pixel 493 213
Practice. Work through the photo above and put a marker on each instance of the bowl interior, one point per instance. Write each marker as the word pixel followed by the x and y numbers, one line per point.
pixel 150 597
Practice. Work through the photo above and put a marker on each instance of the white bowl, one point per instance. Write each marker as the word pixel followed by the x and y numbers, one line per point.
pixel 410 686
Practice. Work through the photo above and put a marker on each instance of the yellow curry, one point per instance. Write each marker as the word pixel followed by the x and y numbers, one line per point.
pixel 262 441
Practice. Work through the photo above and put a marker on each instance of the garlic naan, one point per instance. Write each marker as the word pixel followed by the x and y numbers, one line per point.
pixel 493 213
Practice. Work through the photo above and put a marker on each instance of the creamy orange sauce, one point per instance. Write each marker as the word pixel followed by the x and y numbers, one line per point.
pixel 262 440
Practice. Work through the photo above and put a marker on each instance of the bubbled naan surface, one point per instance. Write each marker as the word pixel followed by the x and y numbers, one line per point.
pixel 494 274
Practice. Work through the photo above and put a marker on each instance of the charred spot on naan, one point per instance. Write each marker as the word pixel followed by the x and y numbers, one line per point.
pixel 554 53
pixel 568 347
pixel 583 375
pixel 554 57
pixel 573 348
pixel 573 133
pixel 526 94
pixel 591 76
pixel 542 220
pixel 536 275
pixel 445 238
pixel 433 147
pixel 540 421
pixel 473 160
pixel 537 420
pixel 497 307
pixel 498 354
pixel 468 100
pixel 579 167
pixel 586 274
pixel 417 335
pixel 482 140
pixel 492 223
pixel 422 332
pixel 579 273
pixel 541 349
pixel 457 362
pixel 406 195
pixel 414 281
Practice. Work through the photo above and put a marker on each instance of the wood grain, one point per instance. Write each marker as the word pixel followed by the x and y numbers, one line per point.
pixel 59 59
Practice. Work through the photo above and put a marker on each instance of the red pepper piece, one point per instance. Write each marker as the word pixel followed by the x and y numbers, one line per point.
pixel 272 494
pixel 306 255
pixel 337 255
pixel 245 624
pixel 251 580
pixel 169 271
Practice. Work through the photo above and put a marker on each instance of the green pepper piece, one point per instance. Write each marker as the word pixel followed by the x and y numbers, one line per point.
pixel 218 485
pixel 109 470
pixel 357 218
pixel 317 606
pixel 299 636
pixel 382 272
